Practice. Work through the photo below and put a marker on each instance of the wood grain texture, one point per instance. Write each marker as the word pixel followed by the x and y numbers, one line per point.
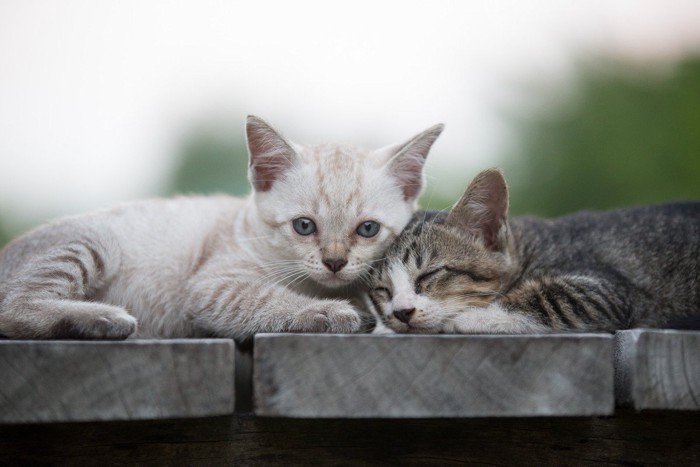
pixel 51 381
pixel 658 369
pixel 627 439
pixel 402 376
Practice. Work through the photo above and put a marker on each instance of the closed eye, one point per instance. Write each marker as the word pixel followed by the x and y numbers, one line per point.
pixel 428 275
pixel 424 278
pixel 471 274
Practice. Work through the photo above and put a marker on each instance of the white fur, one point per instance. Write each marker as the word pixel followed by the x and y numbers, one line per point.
pixel 218 265
pixel 493 319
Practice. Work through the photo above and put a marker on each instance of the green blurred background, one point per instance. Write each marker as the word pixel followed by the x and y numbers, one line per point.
pixel 623 136
pixel 614 135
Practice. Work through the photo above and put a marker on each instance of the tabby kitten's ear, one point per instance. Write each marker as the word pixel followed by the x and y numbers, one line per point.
pixel 270 154
pixel 405 161
pixel 483 209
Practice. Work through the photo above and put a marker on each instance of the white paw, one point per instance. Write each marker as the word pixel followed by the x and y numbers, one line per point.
pixel 495 320
pixel 331 317
pixel 106 322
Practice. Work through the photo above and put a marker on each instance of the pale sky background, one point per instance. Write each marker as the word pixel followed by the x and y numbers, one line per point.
pixel 96 96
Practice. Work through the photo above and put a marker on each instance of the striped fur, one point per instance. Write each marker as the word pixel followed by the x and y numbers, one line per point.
pixel 220 266
pixel 473 271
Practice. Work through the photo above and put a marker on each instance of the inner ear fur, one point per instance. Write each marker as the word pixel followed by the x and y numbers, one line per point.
pixel 483 209
pixel 407 160
pixel 270 154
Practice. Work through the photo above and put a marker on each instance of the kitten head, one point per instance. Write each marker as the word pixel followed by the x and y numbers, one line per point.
pixel 446 263
pixel 332 209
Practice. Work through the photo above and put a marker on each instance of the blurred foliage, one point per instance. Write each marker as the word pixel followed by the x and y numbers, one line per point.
pixel 211 161
pixel 5 235
pixel 436 199
pixel 624 136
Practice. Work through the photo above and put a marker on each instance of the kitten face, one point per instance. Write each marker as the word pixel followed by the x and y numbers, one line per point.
pixel 335 213
pixel 332 209
pixel 433 274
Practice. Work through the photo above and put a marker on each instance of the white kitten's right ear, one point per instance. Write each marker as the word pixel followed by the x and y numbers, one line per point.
pixel 406 161
pixel 270 154
pixel 483 209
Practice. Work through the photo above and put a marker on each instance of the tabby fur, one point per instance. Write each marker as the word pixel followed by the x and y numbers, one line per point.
pixel 472 270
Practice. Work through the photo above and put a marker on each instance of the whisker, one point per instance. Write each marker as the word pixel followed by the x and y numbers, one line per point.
pixel 280 276
pixel 301 276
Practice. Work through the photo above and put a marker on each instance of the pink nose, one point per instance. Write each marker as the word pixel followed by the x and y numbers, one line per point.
pixel 404 315
pixel 335 264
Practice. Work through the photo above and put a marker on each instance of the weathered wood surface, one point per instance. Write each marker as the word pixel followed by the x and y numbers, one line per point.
pixel 658 369
pixel 629 439
pixel 55 381
pixel 403 376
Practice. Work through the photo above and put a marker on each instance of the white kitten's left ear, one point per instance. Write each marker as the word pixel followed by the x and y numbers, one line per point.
pixel 270 154
pixel 406 161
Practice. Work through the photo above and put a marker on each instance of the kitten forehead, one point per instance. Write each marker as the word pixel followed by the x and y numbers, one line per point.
pixel 340 186
pixel 426 243
pixel 339 174
pixel 414 241
pixel 334 156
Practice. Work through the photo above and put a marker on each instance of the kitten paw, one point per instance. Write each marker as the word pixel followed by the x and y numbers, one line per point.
pixel 334 317
pixel 106 323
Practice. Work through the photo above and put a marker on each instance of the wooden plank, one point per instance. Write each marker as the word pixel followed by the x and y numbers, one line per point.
pixel 57 381
pixel 658 369
pixel 628 439
pixel 403 376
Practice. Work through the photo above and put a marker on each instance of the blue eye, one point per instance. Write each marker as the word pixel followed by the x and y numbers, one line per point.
pixel 368 229
pixel 304 226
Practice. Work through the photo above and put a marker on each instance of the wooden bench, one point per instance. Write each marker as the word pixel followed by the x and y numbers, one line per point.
pixel 355 400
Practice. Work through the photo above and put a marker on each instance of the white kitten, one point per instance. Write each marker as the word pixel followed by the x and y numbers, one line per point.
pixel 290 257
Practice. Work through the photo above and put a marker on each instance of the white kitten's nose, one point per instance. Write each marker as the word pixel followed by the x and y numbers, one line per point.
pixel 335 264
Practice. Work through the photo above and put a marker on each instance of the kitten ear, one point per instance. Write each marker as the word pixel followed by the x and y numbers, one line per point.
pixel 406 161
pixel 483 209
pixel 270 154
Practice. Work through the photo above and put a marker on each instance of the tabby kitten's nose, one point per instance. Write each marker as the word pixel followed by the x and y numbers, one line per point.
pixel 335 264
pixel 404 315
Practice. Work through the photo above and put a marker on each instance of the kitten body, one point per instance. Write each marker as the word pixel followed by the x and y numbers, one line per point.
pixel 473 270
pixel 290 257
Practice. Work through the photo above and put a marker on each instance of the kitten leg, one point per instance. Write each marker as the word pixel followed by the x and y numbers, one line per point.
pixel 65 319
pixel 546 304
pixel 50 298
pixel 493 319
pixel 238 309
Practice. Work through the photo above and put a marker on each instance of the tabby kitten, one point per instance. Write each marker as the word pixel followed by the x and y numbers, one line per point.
pixel 290 257
pixel 473 271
